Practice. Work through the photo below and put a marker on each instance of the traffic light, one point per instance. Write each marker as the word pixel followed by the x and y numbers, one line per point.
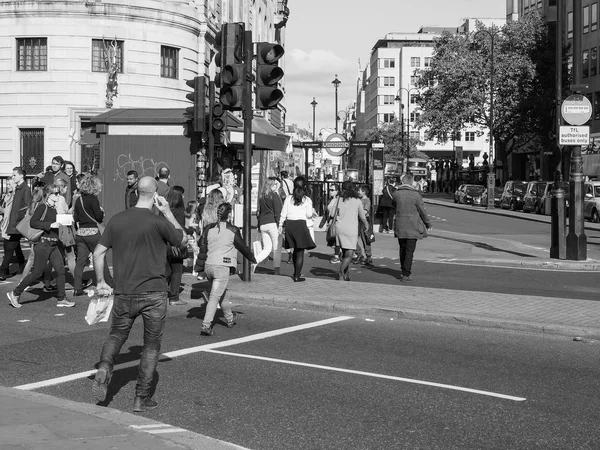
pixel 219 120
pixel 268 74
pixel 230 58
pixel 198 96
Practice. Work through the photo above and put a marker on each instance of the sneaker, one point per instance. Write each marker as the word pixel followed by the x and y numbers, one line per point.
pixel 177 303
pixel 206 331
pixel 336 259
pixel 65 304
pixel 100 385
pixel 141 404
pixel 51 288
pixel 233 321
pixel 86 283
pixel 14 300
pixel 406 279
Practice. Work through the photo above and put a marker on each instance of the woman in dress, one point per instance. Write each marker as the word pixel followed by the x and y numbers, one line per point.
pixel 219 245
pixel 87 213
pixel 175 262
pixel 46 249
pixel 297 209
pixel 349 211
pixel 269 211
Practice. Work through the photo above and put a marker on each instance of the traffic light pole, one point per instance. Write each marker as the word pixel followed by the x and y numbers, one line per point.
pixel 211 132
pixel 248 116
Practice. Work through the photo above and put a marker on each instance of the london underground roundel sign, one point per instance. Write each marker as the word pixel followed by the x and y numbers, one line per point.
pixel 336 144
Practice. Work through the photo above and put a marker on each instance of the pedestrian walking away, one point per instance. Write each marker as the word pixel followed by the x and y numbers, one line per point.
pixel 297 209
pixel 140 287
pixel 219 244
pixel 21 200
pixel 176 256
pixel 46 249
pixel 334 190
pixel 387 207
pixel 365 235
pixel 349 211
pixel 269 212
pixel 412 223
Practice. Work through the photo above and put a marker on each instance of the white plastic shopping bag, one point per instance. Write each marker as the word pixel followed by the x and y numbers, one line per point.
pixel 99 309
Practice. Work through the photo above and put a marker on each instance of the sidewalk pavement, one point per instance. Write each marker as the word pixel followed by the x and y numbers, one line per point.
pixel 33 421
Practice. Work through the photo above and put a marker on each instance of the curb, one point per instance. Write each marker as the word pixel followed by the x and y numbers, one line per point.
pixel 280 301
pixel 587 266
pixel 186 439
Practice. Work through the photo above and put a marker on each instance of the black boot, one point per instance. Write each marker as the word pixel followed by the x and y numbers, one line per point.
pixel 141 404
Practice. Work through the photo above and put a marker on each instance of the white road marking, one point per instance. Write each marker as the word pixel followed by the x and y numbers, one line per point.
pixel 160 428
pixel 24 320
pixel 186 351
pixel 369 320
pixel 374 375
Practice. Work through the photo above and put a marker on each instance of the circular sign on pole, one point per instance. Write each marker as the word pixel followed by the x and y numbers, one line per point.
pixel 576 109
pixel 333 150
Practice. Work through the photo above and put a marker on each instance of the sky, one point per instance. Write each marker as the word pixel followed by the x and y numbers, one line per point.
pixel 328 37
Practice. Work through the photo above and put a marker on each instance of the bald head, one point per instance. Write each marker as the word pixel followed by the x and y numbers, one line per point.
pixel 147 187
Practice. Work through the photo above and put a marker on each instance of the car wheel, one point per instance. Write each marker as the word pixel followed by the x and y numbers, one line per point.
pixel 595 216
pixel 513 206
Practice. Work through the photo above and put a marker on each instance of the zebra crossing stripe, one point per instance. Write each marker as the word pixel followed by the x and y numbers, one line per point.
pixel 159 428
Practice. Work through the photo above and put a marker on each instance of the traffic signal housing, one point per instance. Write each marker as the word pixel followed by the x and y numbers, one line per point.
pixel 218 117
pixel 268 74
pixel 230 58
pixel 197 111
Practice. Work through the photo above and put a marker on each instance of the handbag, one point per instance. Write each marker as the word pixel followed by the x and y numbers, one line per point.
pixel 66 235
pixel 99 225
pixel 330 236
pixel 24 227
pixel 178 252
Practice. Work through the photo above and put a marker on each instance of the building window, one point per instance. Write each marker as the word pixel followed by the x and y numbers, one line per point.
pixel 594 61
pixel 32 54
pixel 103 52
pixel 586 19
pixel 32 150
pixel 388 117
pixel 414 116
pixel 415 61
pixel 594 12
pixel 570 25
pixel 470 136
pixel 414 98
pixel 387 63
pixel 596 105
pixel 388 99
pixel 427 62
pixel 387 81
pixel 169 62
pixel 585 63
pixel 414 79
pixel 415 135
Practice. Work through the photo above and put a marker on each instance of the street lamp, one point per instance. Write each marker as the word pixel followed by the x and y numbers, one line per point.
pixel 399 99
pixel 491 175
pixel 314 105
pixel 336 83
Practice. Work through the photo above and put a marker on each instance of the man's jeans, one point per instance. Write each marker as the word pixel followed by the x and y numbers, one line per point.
pixel 152 306
pixel 218 293
pixel 407 250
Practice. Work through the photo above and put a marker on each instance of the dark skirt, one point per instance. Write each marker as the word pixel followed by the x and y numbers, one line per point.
pixel 297 235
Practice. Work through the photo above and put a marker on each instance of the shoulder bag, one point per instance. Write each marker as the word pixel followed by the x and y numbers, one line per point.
pixel 24 227
pixel 99 225
pixel 331 239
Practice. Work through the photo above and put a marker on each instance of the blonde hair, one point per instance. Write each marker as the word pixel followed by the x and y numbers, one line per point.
pixel 266 190
pixel 209 213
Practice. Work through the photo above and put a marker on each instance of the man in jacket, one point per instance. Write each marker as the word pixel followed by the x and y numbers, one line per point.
pixel 412 223
pixel 21 202
pixel 387 206
pixel 131 191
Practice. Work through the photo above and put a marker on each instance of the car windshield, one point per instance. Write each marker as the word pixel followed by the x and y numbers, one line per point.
pixel 597 191
pixel 475 190
pixel 519 188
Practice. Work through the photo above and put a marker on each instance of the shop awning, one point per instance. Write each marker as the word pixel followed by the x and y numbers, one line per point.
pixel 264 136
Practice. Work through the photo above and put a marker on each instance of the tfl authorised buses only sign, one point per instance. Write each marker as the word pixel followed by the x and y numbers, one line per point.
pixel 574 135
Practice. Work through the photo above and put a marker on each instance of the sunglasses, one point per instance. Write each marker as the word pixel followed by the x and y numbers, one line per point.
pixel 332 190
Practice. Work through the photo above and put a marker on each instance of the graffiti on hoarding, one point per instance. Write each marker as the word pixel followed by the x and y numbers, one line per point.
pixel 145 167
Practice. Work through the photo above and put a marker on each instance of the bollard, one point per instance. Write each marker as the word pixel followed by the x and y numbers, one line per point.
pixel 558 225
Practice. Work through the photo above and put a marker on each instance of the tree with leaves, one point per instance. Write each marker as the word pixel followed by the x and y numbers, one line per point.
pixel 396 142
pixel 456 87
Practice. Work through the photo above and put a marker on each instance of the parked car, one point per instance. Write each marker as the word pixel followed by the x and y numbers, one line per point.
pixel 532 200
pixel 497 196
pixel 591 201
pixel 564 185
pixel 469 194
pixel 512 197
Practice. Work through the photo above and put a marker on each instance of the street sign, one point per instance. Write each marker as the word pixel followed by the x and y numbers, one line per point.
pixel 574 136
pixel 336 141
pixel 337 144
pixel 576 110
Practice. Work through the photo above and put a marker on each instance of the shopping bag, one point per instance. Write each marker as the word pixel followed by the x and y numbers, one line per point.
pixel 99 309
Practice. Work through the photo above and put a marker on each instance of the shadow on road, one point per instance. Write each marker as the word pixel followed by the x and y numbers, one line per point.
pixel 484 246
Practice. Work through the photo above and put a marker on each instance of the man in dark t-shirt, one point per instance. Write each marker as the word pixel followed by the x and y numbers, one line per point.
pixel 138 239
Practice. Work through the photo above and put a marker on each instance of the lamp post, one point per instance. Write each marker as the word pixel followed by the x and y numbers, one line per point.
pixel 491 175
pixel 407 147
pixel 336 83
pixel 314 105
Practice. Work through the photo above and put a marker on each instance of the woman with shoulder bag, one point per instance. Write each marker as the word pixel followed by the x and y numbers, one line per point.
pixel 269 211
pixel 46 249
pixel 88 214
pixel 175 255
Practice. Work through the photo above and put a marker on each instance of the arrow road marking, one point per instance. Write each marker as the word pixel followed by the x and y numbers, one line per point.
pixel 374 375
pixel 186 351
